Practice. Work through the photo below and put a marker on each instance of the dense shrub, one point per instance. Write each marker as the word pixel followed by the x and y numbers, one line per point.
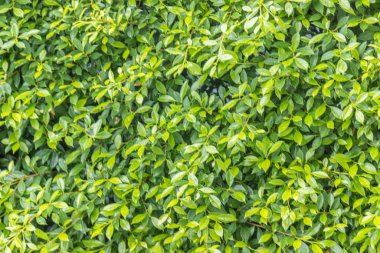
pixel 189 126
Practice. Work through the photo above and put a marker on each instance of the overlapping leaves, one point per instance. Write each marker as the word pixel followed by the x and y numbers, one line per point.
pixel 189 126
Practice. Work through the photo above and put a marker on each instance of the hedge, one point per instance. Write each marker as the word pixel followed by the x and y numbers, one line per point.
pixel 189 126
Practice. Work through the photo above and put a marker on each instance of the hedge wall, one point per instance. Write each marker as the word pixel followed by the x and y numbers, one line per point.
pixel 189 126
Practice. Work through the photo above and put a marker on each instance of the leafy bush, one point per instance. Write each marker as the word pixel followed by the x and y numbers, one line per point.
pixel 189 126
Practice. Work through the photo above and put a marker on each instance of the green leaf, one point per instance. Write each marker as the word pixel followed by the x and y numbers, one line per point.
pixel 229 105
pixel 320 174
pixel 194 68
pixel 359 116
pixel 265 237
pixel 226 57
pixel 369 168
pixel 215 201
pixel 72 156
pixel 63 237
pixel 18 12
pixel 250 23
pixel 345 5
pixel 317 38
pixel 316 249
pixel 327 3
pixel 240 196
pixel 302 64
pixel 339 37
pixel 43 93
pixel 298 137
pixel 166 98
pixel 320 110
pixel 118 44
pixel 211 149
pixel 138 218
pixel 60 205
pixel 222 217
pixel 275 147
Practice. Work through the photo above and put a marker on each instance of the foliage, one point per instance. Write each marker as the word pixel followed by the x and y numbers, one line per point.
pixel 189 126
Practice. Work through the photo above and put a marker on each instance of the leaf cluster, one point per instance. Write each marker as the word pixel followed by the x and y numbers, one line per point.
pixel 189 126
